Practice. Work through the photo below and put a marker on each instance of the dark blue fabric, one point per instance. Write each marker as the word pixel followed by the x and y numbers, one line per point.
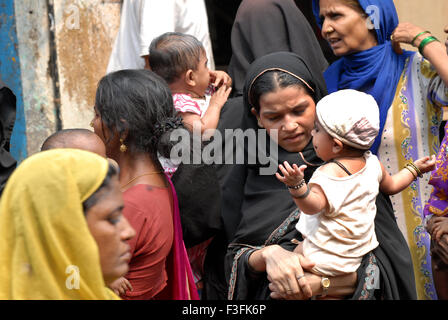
pixel 375 71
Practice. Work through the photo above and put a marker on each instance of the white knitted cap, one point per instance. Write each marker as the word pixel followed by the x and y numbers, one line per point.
pixel 350 116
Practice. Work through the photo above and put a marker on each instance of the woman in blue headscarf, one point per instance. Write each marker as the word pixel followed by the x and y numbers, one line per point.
pixel 410 88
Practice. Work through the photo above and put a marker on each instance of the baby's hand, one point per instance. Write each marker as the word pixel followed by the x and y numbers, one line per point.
pixel 220 78
pixel 291 175
pixel 220 97
pixel 426 164
pixel 120 286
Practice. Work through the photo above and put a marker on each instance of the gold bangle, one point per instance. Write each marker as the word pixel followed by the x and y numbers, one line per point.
pixel 411 171
pixel 419 173
pixel 414 167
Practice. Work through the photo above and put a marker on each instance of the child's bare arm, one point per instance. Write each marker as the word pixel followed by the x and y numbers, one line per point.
pixel 217 101
pixel 401 180
pixel 292 177
pixel 211 117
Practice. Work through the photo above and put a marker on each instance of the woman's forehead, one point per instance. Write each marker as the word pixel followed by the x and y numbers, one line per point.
pixel 289 96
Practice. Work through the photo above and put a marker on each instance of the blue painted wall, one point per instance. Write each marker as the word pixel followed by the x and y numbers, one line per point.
pixel 11 76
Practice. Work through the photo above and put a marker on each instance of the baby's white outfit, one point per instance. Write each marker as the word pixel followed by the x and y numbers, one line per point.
pixel 337 239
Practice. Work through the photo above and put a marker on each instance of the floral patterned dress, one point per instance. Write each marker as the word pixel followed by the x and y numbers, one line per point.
pixel 411 132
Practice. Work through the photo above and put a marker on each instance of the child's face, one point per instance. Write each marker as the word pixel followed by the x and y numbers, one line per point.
pixel 202 75
pixel 323 143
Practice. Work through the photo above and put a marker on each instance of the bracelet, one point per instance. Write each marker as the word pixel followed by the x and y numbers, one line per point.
pixel 301 183
pixel 411 171
pixel 419 173
pixel 425 42
pixel 307 192
pixel 415 38
pixel 417 170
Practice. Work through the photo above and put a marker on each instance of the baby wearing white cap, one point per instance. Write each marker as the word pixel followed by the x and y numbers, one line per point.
pixel 338 203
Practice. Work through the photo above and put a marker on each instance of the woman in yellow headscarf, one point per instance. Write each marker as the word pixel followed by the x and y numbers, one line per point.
pixel 62 235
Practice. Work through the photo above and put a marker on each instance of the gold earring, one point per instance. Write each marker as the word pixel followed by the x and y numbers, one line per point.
pixel 91 123
pixel 123 147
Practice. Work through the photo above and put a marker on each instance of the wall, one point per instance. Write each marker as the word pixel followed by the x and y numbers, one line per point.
pixel 63 49
pixel 85 31
pixel 430 15
pixel 38 95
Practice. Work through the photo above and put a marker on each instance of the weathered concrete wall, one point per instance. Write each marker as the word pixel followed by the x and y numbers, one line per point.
pixel 83 34
pixel 85 31
pixel 38 95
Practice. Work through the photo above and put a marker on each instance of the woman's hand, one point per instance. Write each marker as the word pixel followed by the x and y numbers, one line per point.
pixel 312 280
pixel 441 250
pixel 341 286
pixel 285 272
pixel 120 286
pixel 405 32
pixel 220 78
pixel 432 222
pixel 292 176
pixel 439 227
pixel 440 246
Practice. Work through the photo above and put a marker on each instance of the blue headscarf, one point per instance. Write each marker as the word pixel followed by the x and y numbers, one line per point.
pixel 375 71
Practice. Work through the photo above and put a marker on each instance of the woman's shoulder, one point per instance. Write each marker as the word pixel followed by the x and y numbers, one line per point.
pixel 144 197
pixel 419 64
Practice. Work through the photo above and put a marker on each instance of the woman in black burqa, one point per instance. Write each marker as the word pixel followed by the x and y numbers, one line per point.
pixel 258 212
pixel 265 26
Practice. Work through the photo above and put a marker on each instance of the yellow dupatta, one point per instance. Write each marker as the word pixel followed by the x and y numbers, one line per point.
pixel 46 248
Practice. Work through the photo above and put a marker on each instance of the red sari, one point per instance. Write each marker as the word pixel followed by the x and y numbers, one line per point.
pixel 159 268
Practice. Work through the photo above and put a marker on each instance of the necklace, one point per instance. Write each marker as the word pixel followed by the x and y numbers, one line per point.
pixel 145 174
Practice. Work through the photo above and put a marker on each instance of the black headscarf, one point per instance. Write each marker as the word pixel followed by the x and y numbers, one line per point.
pixel 262 200
pixel 7 120
pixel 265 26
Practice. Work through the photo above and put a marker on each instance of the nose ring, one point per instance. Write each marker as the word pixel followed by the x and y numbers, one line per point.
pixel 330 29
